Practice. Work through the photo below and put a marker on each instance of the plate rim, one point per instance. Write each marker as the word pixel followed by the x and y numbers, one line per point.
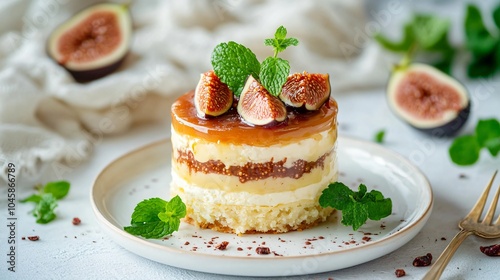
pixel 401 233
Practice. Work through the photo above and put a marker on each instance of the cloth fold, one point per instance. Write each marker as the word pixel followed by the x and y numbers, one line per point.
pixel 46 117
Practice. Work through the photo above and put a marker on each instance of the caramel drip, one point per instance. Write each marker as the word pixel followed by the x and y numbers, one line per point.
pixel 251 171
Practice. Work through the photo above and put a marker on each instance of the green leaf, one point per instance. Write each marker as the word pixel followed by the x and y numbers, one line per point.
pixel 465 150
pixel 44 210
pixel 156 229
pixel 336 195
pixel 273 75
pixel 479 40
pixel 496 16
pixel 233 63
pixel 280 33
pixel 355 215
pixel 59 189
pixel 488 135
pixel 429 30
pixel 155 217
pixel 401 46
pixel 380 207
pixel 379 136
pixel 482 66
pixel 147 210
pixel 32 198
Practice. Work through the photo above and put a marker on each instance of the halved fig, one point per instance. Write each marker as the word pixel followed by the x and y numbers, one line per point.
pixel 212 97
pixel 257 106
pixel 428 99
pixel 305 89
pixel 92 43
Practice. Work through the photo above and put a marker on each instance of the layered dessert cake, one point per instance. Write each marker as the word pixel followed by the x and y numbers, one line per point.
pixel 239 174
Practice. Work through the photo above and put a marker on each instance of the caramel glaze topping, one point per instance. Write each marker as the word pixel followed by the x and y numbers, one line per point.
pixel 251 171
pixel 230 128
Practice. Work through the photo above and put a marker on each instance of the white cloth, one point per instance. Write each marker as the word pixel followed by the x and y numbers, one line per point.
pixel 47 118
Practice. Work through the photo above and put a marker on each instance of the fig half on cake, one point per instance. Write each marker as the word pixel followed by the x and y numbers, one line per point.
pixel 94 42
pixel 428 99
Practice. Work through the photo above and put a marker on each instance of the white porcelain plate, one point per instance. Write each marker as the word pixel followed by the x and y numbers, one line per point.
pixel 145 173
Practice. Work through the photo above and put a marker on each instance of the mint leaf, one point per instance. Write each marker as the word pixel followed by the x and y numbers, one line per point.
pixel 280 33
pixel 337 196
pixel 401 46
pixel 274 72
pixel 233 63
pixel 429 30
pixel 486 130
pixel 155 217
pixel 147 210
pixel 357 207
pixel 465 150
pixel 59 189
pixel 379 136
pixel 483 66
pixel 496 16
pixel 32 198
pixel 479 40
pixel 488 135
pixel 44 210
pixel 355 215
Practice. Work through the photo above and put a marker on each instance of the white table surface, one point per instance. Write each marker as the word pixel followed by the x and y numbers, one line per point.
pixel 65 251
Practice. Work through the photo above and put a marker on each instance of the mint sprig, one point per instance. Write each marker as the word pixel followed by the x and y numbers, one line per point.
pixel 424 33
pixel 233 63
pixel 357 207
pixel 466 149
pixel 46 200
pixel 156 218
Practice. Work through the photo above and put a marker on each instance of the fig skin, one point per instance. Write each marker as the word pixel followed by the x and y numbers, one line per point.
pixel 105 63
pixel 212 97
pixel 306 90
pixel 271 111
pixel 440 89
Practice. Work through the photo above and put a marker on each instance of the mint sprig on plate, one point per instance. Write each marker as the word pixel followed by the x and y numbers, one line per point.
pixel 46 200
pixel 357 207
pixel 233 63
pixel 156 218
pixel 465 150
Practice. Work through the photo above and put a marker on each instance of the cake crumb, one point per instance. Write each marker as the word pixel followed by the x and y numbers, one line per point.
pixel 76 221
pixel 222 246
pixel 400 272
pixel 34 238
pixel 263 250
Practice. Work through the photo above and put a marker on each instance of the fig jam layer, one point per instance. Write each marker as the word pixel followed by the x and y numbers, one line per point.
pixel 230 128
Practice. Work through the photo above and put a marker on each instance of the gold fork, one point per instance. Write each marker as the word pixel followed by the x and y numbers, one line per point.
pixel 470 225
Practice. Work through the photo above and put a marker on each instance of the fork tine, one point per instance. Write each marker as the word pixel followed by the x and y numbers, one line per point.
pixel 491 211
pixel 476 211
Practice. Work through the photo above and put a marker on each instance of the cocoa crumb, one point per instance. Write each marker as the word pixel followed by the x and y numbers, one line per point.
pixel 400 272
pixel 443 238
pixel 276 254
pixel 263 250
pixel 239 249
pixel 462 176
pixel 34 238
pixel 222 246
pixel 186 243
pixel 492 250
pixel 321 237
pixel 23 238
pixel 308 243
pixel 366 238
pixel 249 248
pixel 423 260
pixel 263 243
pixel 76 221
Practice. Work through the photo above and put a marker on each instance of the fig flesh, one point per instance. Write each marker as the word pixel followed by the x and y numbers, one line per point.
pixel 258 107
pixel 428 99
pixel 94 42
pixel 212 97
pixel 305 89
